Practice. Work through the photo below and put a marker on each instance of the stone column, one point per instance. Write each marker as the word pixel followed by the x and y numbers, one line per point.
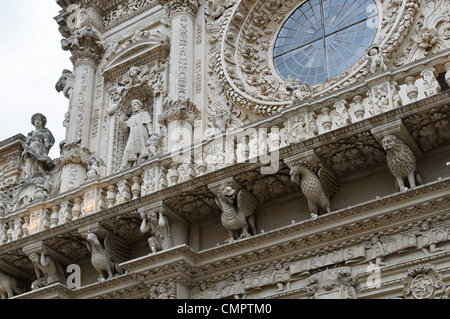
pixel 182 15
pixel 87 49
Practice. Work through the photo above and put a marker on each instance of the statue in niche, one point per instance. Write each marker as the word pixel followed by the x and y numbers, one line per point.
pixel 238 209
pixel 158 226
pixel 375 60
pixel 36 148
pixel 401 161
pixel 140 128
pixel 48 271
pixel 318 187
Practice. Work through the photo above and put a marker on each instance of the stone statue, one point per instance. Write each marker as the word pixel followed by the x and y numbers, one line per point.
pixel 48 271
pixel 155 142
pixel 106 257
pixel 318 187
pixel 158 226
pixel 375 59
pixel 299 91
pixel 400 160
pixel 9 286
pixel 238 209
pixel 140 127
pixel 94 163
pixel 36 148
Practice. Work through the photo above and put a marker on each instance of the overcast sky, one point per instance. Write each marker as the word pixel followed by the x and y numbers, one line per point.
pixel 31 62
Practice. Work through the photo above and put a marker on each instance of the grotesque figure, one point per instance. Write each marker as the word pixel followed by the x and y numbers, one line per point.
pixel 400 160
pixel 317 188
pixel 237 208
pixel 158 226
pixel 48 271
pixel 9 286
pixel 107 257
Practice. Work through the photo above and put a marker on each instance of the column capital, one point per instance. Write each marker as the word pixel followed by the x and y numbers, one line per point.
pixel 85 44
pixel 180 6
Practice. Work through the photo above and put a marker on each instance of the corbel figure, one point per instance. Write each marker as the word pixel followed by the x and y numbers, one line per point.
pixel 157 225
pixel 48 271
pixel 238 207
pixel 318 187
pixel 401 161
pixel 106 256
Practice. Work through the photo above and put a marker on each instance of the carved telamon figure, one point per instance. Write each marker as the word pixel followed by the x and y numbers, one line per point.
pixel 36 148
pixel 158 226
pixel 140 127
pixel 237 208
pixel 400 160
pixel 317 188
pixel 48 271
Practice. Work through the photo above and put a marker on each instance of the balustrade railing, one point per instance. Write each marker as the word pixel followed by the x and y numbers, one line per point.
pixel 375 95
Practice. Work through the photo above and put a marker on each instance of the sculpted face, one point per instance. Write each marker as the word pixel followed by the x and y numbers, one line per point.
pixel 229 194
pixel 389 142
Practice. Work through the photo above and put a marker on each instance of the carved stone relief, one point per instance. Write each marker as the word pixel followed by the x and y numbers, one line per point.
pixel 424 282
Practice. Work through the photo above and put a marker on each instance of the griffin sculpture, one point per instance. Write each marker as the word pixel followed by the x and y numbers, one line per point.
pixel 237 208
pixel 107 257
pixel 318 187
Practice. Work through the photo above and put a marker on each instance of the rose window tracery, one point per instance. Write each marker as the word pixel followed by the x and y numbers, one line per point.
pixel 324 38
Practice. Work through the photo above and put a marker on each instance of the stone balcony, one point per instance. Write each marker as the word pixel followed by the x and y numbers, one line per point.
pixel 342 130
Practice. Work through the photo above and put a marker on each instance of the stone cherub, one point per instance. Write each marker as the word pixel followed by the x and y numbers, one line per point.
pixel 299 91
pixel 375 59
pixel 155 142
pixel 238 207
pixel 318 187
pixel 94 164
pixel 401 161
pixel 158 226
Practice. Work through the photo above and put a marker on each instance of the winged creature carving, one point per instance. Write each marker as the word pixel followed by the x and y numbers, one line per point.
pixel 318 187
pixel 238 207
pixel 106 257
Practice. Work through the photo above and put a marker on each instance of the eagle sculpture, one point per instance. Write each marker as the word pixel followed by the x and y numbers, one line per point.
pixel 318 187
pixel 106 257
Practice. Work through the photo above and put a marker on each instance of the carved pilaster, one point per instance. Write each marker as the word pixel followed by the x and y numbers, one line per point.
pixel 180 6
pixel 179 117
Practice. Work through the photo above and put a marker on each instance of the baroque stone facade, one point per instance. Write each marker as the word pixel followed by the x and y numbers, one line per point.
pixel 192 168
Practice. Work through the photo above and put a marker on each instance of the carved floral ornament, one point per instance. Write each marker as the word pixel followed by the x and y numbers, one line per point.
pixel 243 35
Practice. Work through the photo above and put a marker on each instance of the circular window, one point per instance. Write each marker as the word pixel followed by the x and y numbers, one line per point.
pixel 324 38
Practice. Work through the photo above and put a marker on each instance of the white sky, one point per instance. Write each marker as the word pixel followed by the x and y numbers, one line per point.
pixel 31 62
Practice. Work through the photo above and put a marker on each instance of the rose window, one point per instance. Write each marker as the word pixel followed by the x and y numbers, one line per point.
pixel 324 38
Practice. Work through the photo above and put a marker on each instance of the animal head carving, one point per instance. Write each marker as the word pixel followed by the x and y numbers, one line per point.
pixel 389 142
pixel 227 193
